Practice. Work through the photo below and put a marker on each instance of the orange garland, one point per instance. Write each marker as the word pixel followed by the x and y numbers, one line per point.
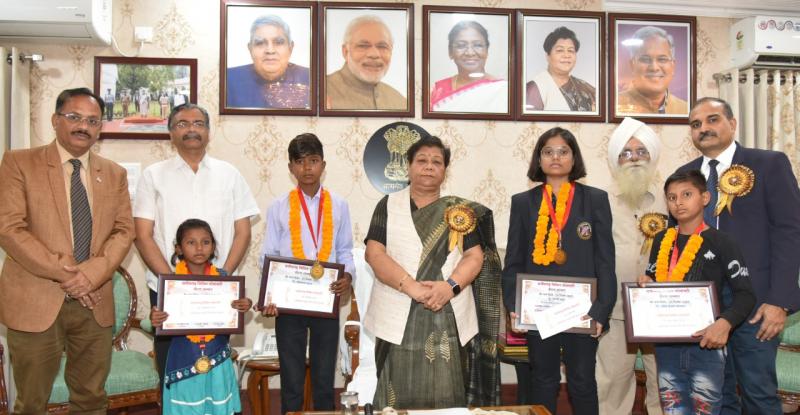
pixel 684 262
pixel 544 254
pixel 327 226
pixel 182 269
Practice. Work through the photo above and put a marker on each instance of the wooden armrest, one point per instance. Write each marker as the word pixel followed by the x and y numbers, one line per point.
pixel 351 335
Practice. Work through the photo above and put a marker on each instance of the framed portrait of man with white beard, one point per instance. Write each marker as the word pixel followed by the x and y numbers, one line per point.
pixel 367 60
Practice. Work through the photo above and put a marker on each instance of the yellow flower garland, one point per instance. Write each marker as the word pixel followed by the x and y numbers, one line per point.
pixel 544 254
pixel 182 269
pixel 327 226
pixel 684 262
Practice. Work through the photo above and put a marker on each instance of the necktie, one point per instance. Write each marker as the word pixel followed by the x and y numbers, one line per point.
pixel 711 184
pixel 81 214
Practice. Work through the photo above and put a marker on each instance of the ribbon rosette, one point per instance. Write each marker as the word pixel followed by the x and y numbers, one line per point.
pixel 461 220
pixel 737 181
pixel 649 225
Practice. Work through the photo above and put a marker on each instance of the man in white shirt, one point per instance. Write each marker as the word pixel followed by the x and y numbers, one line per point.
pixel 190 185
pixel 639 211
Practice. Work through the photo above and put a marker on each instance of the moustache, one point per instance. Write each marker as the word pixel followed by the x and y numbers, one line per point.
pixel 705 134
pixel 81 131
pixel 191 136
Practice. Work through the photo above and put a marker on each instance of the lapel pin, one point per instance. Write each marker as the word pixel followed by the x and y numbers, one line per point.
pixel 98 180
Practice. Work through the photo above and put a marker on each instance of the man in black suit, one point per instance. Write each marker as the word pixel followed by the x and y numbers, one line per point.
pixel 766 222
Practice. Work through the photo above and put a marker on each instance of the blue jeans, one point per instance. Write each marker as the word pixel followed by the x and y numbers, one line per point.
pixel 690 379
pixel 751 364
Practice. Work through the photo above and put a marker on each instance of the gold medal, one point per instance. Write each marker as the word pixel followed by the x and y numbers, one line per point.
pixel 202 364
pixel 560 257
pixel 317 270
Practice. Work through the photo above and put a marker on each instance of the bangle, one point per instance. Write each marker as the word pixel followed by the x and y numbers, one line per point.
pixel 402 280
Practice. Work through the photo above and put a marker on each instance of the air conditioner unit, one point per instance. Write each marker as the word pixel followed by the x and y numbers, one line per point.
pixel 766 41
pixel 56 21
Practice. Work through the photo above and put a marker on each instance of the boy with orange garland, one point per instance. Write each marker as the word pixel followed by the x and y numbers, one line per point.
pixel 308 222
pixel 690 376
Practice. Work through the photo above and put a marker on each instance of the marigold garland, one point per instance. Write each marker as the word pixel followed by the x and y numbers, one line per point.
pixel 295 227
pixel 684 262
pixel 543 254
pixel 182 269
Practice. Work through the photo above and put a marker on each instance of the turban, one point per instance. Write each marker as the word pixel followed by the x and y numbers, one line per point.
pixel 627 129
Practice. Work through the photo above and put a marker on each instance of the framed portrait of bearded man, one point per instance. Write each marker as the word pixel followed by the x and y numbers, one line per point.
pixel 367 59
pixel 561 62
pixel 267 57
pixel 653 60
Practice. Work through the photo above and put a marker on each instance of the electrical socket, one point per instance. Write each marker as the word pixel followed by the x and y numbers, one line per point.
pixel 143 34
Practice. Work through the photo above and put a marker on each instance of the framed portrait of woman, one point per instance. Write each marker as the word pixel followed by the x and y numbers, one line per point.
pixel 652 67
pixel 467 71
pixel 367 54
pixel 267 57
pixel 561 66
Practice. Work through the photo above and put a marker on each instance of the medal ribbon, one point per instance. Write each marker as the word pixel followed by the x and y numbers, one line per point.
pixel 314 235
pixel 552 210
pixel 674 258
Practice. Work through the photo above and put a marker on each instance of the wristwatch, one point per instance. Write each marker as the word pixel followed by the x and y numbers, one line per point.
pixel 454 285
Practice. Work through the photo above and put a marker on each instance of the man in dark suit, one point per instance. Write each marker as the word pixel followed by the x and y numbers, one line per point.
pixel 766 223
pixel 66 225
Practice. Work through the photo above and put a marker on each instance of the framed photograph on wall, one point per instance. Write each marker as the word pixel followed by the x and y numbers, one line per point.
pixel 561 66
pixel 267 57
pixel 367 55
pixel 653 59
pixel 140 93
pixel 466 63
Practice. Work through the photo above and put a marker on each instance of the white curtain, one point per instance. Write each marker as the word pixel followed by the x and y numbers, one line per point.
pixel 15 101
pixel 15 128
pixel 767 106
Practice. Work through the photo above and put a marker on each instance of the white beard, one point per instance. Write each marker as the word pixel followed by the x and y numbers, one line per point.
pixel 633 180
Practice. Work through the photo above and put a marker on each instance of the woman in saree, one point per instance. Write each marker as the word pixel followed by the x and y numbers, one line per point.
pixel 471 89
pixel 555 89
pixel 437 276
pixel 562 228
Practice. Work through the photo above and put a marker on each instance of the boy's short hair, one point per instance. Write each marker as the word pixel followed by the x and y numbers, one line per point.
pixel 306 144
pixel 693 177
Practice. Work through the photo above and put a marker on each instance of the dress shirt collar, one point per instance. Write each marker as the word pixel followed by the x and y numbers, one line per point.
pixel 316 195
pixel 178 162
pixel 725 159
pixel 66 156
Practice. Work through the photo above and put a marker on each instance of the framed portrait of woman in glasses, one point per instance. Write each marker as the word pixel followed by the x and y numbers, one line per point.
pixel 139 94
pixel 652 67
pixel 466 61
pixel 561 66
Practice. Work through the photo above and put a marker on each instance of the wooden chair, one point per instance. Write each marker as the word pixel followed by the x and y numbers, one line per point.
pixel 133 379
pixel 3 390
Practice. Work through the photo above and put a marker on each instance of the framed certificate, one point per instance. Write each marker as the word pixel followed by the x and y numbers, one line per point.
pixel 298 286
pixel 668 312
pixel 200 304
pixel 555 304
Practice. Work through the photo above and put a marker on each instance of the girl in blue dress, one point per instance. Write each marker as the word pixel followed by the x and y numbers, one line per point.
pixel 199 376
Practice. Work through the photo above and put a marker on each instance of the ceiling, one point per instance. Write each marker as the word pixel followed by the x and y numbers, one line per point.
pixel 719 8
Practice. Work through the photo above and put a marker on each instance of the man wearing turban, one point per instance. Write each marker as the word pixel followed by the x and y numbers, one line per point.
pixel 639 211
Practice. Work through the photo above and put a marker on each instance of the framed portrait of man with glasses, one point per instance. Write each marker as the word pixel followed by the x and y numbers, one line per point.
pixel 652 67
pixel 467 71
pixel 139 94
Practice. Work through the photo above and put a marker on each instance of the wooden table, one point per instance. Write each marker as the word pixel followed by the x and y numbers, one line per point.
pixel 258 385
pixel 519 409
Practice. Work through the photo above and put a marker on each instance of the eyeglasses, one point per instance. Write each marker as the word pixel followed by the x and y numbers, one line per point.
pixel 639 152
pixel 551 153
pixel 648 60
pixel 200 125
pixel 74 118
pixel 477 47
